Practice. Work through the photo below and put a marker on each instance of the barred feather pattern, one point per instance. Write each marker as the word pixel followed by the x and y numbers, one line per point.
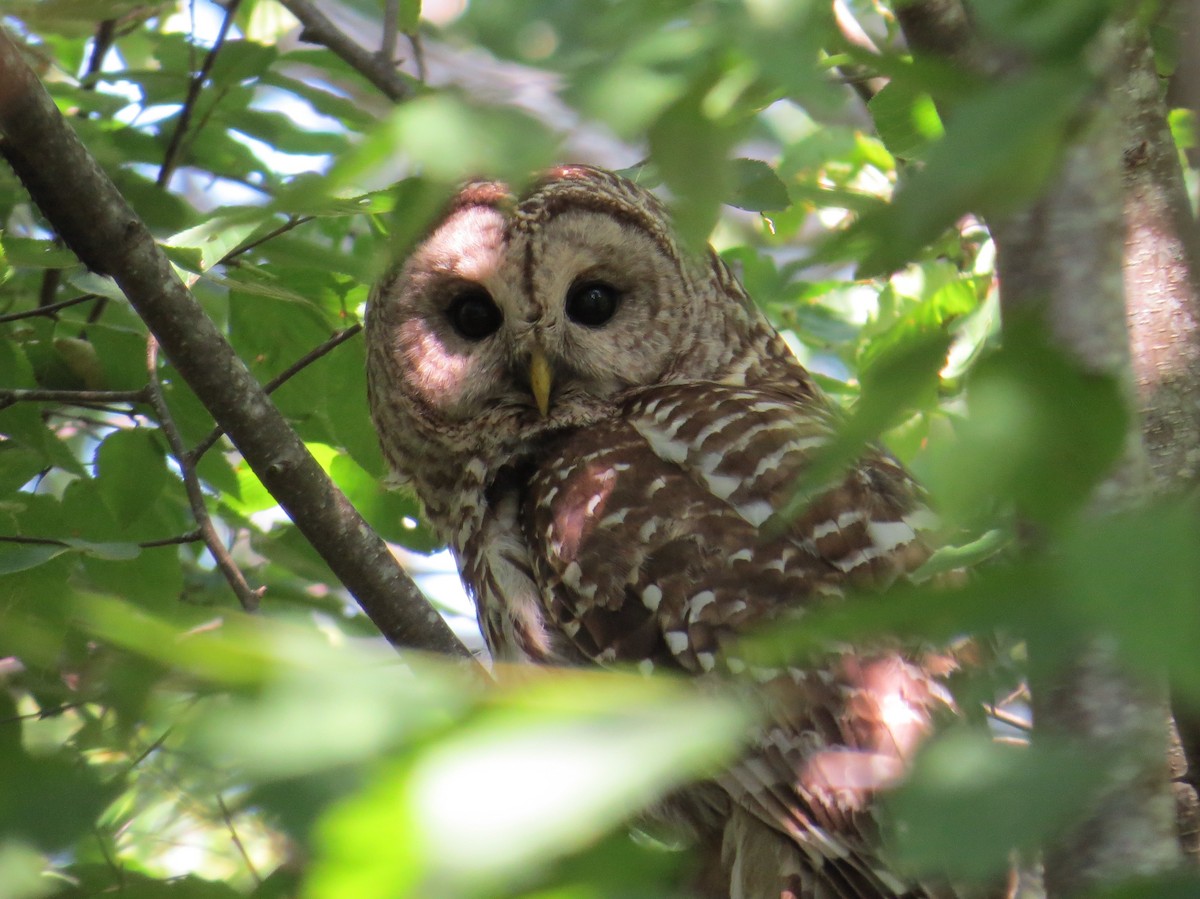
pixel 636 523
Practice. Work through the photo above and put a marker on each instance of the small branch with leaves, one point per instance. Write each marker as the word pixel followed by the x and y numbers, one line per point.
pixel 171 157
pixel 377 69
pixel 97 223
pixel 247 596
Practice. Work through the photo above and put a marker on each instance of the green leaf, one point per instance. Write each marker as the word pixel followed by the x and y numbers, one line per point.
pixel 82 361
pixel 24 425
pixel 902 377
pixel 1055 30
pixel 18 466
pixel 22 871
pixel 1039 434
pixel 344 372
pixel 25 252
pixel 488 812
pixel 239 61
pixel 15 370
pixel 1013 597
pixel 409 16
pixel 369 702
pixel 390 513
pixel 131 473
pixel 20 556
pixel 448 139
pixel 992 796
pixel 50 801
pixel 757 187
pixel 997 152
pixel 151 578
pixel 690 151
pixel 1136 576
pixel 211 240
pixel 122 355
pixel 905 117
pixel 113 552
pixel 92 282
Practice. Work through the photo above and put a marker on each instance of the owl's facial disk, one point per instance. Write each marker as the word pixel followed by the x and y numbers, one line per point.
pixel 535 328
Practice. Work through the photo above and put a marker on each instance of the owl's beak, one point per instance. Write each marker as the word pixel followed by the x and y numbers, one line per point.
pixel 540 381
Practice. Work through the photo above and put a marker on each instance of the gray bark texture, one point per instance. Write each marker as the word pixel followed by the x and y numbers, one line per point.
pixel 1162 298
pixel 1068 260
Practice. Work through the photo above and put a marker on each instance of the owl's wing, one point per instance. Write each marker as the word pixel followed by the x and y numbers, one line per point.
pixel 650 549
pixel 648 533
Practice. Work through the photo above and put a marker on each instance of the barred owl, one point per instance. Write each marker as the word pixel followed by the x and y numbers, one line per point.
pixel 603 427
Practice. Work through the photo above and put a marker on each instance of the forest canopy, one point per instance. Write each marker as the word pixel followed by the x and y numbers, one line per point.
pixel 218 679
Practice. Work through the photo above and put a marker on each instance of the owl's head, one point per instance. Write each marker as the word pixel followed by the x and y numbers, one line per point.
pixel 517 317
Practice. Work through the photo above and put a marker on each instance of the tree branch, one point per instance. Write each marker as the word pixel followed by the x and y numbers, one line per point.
pixel 95 221
pixel 1162 296
pixel 391 19
pixel 247 595
pixel 377 70
pixel 237 841
pixel 1061 261
pixel 294 221
pixel 279 380
pixel 189 537
pixel 859 77
pixel 171 156
pixel 50 309
pixel 71 397
pixel 1162 284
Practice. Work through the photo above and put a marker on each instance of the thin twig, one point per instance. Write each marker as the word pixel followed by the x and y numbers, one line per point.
pixel 310 357
pixel 1005 717
pixel 237 841
pixel 418 51
pixel 106 33
pixel 42 714
pixel 294 221
pixel 149 750
pixel 858 77
pixel 246 595
pixel 279 380
pixel 48 310
pixel 391 20
pixel 178 540
pixel 117 870
pixel 51 278
pixel 319 30
pixel 72 397
pixel 170 158
pixel 33 541
pixel 76 418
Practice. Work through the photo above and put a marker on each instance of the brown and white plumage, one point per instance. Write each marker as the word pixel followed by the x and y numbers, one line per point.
pixel 601 425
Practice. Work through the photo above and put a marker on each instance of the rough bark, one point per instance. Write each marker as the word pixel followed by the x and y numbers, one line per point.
pixel 1162 288
pixel 1063 260
pixel 1162 298
pixel 84 207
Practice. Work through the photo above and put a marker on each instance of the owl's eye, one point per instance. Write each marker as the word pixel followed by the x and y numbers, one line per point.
pixel 474 314
pixel 592 303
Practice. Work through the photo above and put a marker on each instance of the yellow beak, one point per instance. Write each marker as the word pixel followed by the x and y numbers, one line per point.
pixel 540 381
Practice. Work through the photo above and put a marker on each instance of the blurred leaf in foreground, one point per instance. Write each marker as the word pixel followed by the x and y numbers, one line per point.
pixel 545 768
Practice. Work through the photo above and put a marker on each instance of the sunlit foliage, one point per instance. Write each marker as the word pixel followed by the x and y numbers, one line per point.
pixel 157 740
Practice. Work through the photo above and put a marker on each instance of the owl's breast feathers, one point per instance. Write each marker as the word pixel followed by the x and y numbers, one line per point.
pixel 649 541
